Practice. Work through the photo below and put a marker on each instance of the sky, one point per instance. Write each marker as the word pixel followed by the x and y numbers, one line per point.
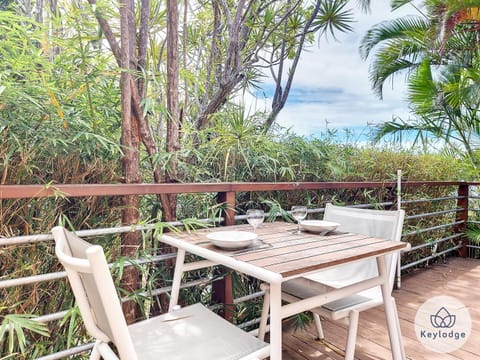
pixel 332 89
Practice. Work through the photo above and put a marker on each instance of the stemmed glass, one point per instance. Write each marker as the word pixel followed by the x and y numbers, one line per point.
pixel 299 213
pixel 255 217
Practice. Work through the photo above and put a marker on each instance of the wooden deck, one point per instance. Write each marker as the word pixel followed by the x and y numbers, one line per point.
pixel 458 278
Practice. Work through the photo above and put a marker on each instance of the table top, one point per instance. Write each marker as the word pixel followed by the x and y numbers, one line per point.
pixel 279 250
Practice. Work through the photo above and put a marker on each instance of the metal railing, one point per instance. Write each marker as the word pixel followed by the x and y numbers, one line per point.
pixel 435 225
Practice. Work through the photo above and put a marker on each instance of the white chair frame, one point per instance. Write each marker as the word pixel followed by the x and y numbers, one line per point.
pixel 192 332
pixel 360 221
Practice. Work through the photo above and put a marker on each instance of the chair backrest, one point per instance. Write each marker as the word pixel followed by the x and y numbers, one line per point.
pixel 93 287
pixel 386 224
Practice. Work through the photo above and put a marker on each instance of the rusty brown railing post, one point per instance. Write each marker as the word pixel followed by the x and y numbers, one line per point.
pixel 222 290
pixel 228 200
pixel 462 215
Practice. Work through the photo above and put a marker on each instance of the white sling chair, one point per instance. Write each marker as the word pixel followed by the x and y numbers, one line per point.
pixel 192 332
pixel 378 223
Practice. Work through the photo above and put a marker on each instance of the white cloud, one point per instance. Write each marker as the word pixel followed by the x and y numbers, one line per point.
pixel 331 83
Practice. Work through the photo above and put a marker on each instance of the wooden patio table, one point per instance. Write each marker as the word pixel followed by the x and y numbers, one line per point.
pixel 279 255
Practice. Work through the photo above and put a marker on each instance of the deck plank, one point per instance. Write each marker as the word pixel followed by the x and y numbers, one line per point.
pixel 457 277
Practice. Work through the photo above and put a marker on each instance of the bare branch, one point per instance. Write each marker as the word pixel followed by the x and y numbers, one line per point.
pixel 143 44
pixel 281 95
pixel 107 30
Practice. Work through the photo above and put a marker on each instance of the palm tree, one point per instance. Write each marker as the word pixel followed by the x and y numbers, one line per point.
pixel 446 32
pixel 440 51
pixel 445 107
pixel 401 44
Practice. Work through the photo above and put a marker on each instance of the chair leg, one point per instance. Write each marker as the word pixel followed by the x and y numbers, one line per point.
pixel 352 335
pixel 95 354
pixel 105 351
pixel 318 325
pixel 262 328
pixel 399 330
pixel 102 350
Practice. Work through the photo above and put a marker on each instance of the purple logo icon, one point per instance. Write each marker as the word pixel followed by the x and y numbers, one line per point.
pixel 443 319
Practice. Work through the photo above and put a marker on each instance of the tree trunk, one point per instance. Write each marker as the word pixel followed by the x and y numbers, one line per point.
pixel 138 89
pixel 173 128
pixel 130 141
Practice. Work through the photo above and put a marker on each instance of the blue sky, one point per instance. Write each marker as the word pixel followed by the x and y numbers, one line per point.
pixel 331 86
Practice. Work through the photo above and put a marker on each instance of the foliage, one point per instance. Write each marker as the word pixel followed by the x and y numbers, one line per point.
pixel 440 52
pixel 473 234
pixel 287 157
pixel 12 333
pixel 60 121
pixel 56 127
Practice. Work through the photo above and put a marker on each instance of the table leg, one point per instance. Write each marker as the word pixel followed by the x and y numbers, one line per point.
pixel 177 279
pixel 391 314
pixel 275 321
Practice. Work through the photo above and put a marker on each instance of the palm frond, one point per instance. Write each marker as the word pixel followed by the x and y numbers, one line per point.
pixel 396 4
pixel 394 128
pixel 382 70
pixel 422 89
pixel 364 5
pixel 392 29
pixel 333 17
pixel 473 234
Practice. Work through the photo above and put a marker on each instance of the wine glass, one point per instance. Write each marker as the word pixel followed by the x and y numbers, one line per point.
pixel 255 217
pixel 299 213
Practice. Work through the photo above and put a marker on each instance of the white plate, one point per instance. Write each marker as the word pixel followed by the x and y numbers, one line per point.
pixel 232 239
pixel 318 226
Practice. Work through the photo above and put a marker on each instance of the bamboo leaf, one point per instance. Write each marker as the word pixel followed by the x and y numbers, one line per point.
pixel 14 325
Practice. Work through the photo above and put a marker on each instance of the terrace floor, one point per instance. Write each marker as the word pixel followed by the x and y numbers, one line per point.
pixel 458 277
